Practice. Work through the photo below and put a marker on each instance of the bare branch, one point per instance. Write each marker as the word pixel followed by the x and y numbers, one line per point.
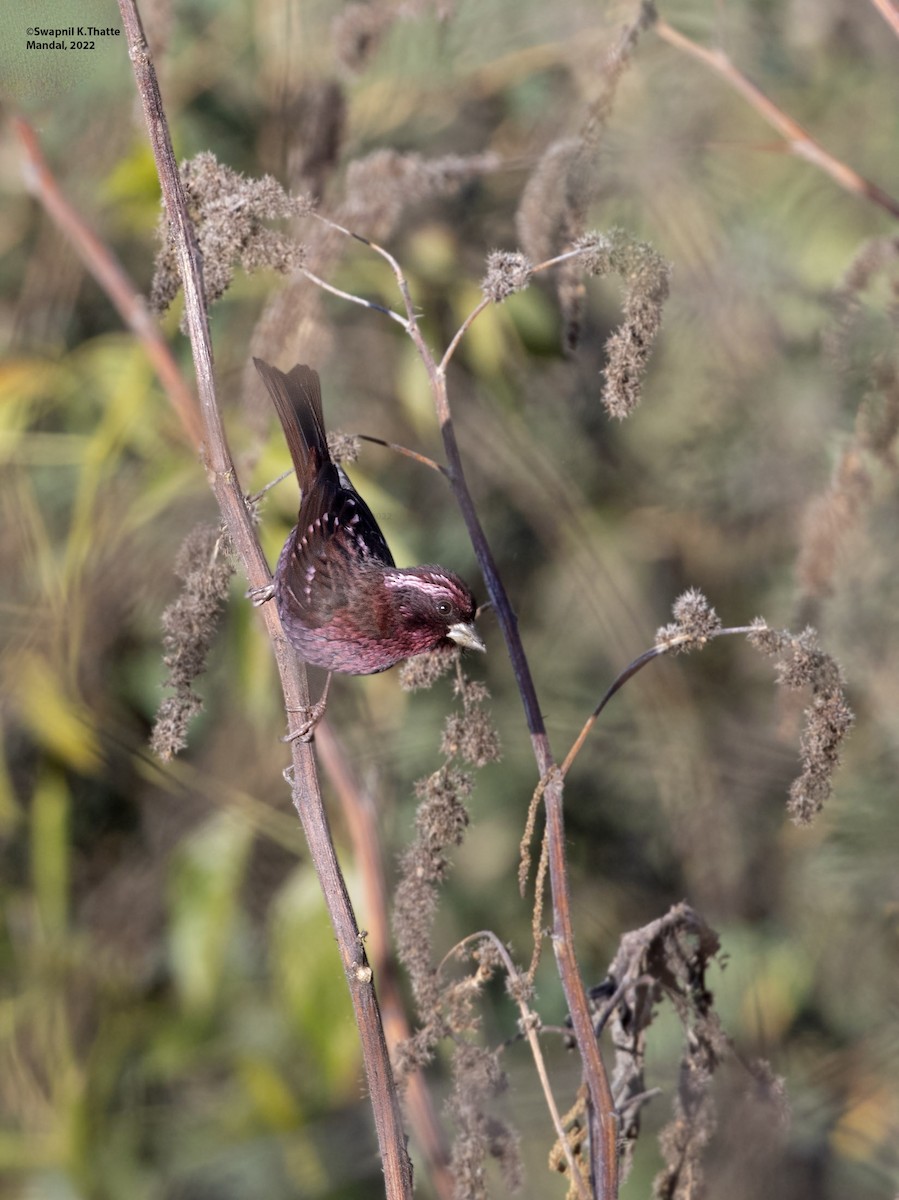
pixel 890 13
pixel 107 271
pixel 404 450
pixel 798 140
pixel 223 479
pixel 335 291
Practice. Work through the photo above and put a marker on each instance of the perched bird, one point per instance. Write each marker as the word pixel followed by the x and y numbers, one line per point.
pixel 343 602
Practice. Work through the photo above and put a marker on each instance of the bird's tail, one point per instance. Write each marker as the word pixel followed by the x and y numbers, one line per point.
pixel 297 398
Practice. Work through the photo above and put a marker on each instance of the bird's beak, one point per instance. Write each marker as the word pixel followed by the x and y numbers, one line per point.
pixel 465 636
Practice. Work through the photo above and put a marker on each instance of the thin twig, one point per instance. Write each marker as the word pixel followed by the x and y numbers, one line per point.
pixel 336 291
pixel 530 1027
pixel 556 259
pixel 628 673
pixel 890 13
pixel 420 458
pixel 223 479
pixel 799 141
pixel 640 1098
pixel 254 499
pixel 486 301
pixel 107 271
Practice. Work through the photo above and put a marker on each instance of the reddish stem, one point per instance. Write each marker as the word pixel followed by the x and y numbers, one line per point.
pixel 799 141
pixel 106 269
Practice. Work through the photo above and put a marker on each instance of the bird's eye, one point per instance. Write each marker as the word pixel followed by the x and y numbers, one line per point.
pixel 444 608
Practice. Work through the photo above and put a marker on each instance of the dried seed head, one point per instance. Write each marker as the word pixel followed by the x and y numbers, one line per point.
pixel 442 818
pixel 381 187
pixel 344 447
pixel 800 662
pixel 695 623
pixel 424 670
pixel 470 734
pixel 645 275
pixel 508 271
pixel 228 211
pixel 189 627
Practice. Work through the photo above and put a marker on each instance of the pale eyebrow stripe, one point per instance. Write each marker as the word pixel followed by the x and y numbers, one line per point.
pixel 416 583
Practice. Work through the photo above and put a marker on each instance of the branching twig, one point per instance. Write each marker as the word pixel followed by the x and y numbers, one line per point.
pixel 799 141
pixel 800 664
pixel 603 1119
pixel 530 1026
pixel 486 301
pixel 336 291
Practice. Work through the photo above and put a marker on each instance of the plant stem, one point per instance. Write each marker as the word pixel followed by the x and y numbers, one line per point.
pixel 799 141
pixel 223 480
pixel 602 1115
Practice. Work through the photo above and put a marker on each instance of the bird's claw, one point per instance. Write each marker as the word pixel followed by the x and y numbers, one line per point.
pixel 312 715
pixel 261 595
pixel 306 732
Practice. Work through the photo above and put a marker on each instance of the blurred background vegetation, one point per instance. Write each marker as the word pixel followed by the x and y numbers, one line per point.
pixel 173 1017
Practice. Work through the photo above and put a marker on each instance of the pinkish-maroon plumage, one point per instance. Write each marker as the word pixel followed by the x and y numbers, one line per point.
pixel 343 603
